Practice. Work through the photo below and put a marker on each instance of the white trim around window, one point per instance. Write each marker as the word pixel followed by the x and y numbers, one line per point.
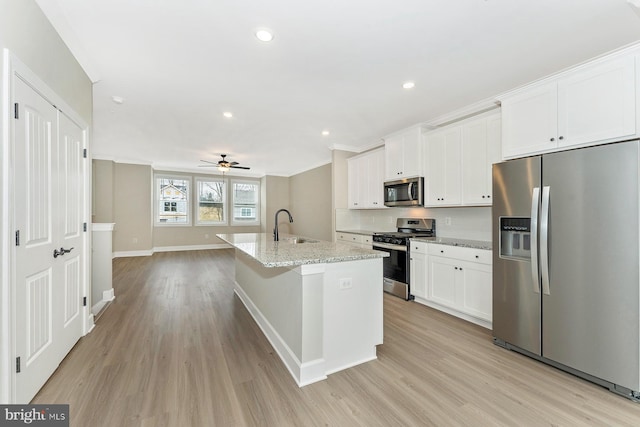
pixel 210 203
pixel 171 208
pixel 245 202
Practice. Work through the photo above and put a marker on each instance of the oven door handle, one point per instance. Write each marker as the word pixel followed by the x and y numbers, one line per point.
pixel 389 246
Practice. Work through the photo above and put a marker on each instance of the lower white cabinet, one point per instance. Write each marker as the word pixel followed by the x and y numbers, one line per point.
pixel 454 279
pixel 418 264
pixel 360 240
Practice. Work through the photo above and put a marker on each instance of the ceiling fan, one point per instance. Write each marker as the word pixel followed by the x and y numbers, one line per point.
pixel 223 165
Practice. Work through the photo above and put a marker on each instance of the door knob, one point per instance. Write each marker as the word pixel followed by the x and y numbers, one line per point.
pixel 62 251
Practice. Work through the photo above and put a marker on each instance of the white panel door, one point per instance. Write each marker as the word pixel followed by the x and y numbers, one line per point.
pixel 47 290
pixel 70 219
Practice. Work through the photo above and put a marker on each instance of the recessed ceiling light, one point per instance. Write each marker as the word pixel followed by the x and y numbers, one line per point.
pixel 264 35
pixel 408 85
pixel 227 114
pixel 325 132
pixel 117 99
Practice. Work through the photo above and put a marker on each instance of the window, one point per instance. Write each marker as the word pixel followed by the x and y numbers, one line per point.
pixel 211 201
pixel 172 195
pixel 246 202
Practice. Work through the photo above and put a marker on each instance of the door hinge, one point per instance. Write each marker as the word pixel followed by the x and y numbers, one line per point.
pixel 17 365
pixel 17 237
pixel 84 153
pixel 84 227
pixel 16 111
pixel 84 301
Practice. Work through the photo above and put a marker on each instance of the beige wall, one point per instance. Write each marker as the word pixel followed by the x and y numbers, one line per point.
pixel 132 207
pixel 28 35
pixel 310 195
pixel 275 191
pixel 103 181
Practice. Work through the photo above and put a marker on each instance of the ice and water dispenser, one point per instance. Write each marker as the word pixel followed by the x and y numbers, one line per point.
pixel 515 238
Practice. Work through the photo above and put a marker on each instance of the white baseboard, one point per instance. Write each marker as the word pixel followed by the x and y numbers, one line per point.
pixel 303 373
pixel 123 254
pixel 108 295
pixel 464 316
pixel 191 247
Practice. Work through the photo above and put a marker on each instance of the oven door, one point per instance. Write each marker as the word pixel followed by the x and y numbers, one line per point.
pixel 395 269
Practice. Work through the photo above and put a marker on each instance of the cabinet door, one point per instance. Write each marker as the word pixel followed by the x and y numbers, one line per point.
pixel 418 274
pixel 441 287
pixel 393 152
pixel 474 289
pixel 412 153
pixel 353 183
pixel 363 199
pixel 597 103
pixel 480 149
pixel 376 180
pixel 444 168
pixel 529 121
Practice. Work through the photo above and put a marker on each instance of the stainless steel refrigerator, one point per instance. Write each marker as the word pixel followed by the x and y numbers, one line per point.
pixel 566 262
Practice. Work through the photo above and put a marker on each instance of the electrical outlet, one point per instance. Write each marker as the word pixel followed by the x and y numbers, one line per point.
pixel 346 283
pixel 134 240
pixel 447 220
pixel 206 236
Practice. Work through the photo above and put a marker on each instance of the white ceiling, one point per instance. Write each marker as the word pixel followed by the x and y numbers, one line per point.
pixel 334 64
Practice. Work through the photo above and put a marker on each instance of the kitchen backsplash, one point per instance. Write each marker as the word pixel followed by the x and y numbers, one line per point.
pixel 465 223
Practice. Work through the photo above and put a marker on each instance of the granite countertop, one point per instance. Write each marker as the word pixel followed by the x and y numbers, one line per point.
pixel 287 253
pixel 475 244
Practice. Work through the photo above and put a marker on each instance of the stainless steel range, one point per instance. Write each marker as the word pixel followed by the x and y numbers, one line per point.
pixel 396 266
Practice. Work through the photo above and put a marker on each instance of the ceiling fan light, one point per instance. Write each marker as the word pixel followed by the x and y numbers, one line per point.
pixel 223 169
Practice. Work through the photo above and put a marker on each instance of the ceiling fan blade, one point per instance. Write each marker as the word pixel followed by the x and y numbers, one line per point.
pixel 239 167
pixel 234 163
pixel 207 166
pixel 207 161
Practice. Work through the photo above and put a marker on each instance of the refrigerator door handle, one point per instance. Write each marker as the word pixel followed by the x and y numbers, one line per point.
pixel 535 208
pixel 544 240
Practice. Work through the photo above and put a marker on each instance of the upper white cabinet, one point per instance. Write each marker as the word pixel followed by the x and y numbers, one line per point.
pixel 443 153
pixel 593 103
pixel 458 160
pixel 366 180
pixel 480 150
pixel 403 154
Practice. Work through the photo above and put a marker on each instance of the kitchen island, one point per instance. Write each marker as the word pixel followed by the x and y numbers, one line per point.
pixel 318 303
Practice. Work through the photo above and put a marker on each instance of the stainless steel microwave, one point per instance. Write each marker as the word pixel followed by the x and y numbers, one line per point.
pixel 404 192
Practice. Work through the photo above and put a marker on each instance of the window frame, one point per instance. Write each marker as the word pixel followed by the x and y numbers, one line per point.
pixel 232 202
pixel 157 199
pixel 225 202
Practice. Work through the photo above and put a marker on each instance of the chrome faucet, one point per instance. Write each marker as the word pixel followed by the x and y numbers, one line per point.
pixel 276 237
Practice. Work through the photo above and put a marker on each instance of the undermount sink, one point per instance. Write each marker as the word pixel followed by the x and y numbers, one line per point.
pixel 296 240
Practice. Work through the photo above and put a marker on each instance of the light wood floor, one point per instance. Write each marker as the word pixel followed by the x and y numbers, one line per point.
pixel 177 348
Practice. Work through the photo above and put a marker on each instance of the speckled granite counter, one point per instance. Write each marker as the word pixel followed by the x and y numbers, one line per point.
pixel 475 244
pixel 286 253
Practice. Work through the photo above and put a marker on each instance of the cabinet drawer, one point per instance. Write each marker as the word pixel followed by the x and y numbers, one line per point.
pixel 419 247
pixel 349 238
pixel 481 256
pixel 367 240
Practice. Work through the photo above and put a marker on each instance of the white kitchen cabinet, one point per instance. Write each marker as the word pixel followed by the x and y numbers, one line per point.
pixel 593 103
pixel 443 153
pixel 480 149
pixel 366 180
pixel 459 281
pixel 418 264
pixel 358 240
pixel 403 154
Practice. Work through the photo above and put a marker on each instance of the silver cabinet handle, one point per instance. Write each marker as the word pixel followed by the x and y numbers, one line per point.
pixel 544 240
pixel 535 207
